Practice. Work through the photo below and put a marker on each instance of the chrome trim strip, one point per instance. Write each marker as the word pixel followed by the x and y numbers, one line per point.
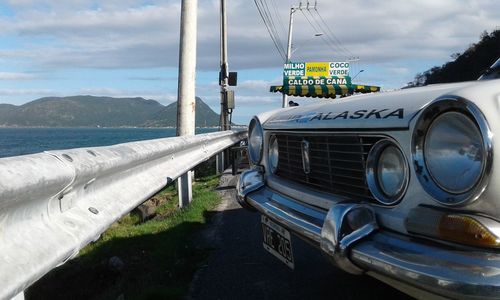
pixel 249 181
pixel 443 270
pixel 272 205
pixel 438 107
pixel 307 195
pixel 338 236
pixel 306 161
pixel 314 132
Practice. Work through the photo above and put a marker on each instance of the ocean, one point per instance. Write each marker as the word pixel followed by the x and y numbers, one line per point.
pixel 21 141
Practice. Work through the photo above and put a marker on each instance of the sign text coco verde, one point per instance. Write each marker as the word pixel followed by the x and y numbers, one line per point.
pixel 316 69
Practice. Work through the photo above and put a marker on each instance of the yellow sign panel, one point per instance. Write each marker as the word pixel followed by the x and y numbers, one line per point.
pixel 316 69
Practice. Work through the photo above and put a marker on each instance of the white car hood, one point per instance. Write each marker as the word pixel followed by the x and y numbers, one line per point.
pixel 380 110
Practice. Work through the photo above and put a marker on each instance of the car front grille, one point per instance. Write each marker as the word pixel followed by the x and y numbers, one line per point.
pixel 337 162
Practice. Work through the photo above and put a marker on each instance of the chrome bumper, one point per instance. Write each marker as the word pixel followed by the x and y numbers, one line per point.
pixel 349 235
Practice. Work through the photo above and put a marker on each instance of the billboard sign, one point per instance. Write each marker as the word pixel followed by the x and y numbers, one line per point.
pixel 316 69
pixel 302 80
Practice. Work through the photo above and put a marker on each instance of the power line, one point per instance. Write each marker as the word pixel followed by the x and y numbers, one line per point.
pixel 271 22
pixel 327 40
pixel 269 13
pixel 331 34
pixel 280 21
pixel 270 28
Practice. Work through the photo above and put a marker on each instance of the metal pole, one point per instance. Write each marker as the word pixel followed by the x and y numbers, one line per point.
pixel 224 68
pixel 224 74
pixel 186 102
pixel 289 49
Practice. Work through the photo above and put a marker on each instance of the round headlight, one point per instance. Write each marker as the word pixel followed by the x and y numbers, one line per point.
pixel 273 154
pixel 255 141
pixel 391 171
pixel 387 172
pixel 453 152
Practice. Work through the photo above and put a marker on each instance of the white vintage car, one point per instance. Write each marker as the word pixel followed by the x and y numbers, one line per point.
pixel 403 186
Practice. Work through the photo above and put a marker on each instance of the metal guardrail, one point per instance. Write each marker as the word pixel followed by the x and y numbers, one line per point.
pixel 54 203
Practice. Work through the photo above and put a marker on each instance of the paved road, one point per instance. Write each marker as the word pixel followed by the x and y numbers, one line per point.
pixel 239 268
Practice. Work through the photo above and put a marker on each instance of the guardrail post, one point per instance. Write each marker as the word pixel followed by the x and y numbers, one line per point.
pixel 184 189
pixel 219 163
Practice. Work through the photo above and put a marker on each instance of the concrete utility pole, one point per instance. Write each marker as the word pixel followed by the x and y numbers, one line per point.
pixel 186 101
pixel 289 49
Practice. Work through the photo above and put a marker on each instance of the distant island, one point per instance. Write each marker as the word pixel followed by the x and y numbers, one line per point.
pixel 92 111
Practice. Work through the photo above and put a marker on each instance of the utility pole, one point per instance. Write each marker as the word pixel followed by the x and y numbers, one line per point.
pixel 293 9
pixel 223 82
pixel 224 69
pixel 186 101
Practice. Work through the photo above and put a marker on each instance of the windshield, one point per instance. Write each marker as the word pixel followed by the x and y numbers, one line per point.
pixel 492 73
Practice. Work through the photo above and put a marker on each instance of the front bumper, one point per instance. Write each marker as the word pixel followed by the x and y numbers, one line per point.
pixel 349 235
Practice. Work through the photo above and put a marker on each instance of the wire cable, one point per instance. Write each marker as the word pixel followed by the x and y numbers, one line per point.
pixel 281 51
pixel 280 20
pixel 270 19
pixel 326 40
pixel 331 34
pixel 335 46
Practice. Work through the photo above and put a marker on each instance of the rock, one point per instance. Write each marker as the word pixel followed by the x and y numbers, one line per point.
pixel 116 264
pixel 146 210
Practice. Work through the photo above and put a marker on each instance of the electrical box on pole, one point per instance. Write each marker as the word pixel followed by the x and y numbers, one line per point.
pixel 230 99
pixel 233 78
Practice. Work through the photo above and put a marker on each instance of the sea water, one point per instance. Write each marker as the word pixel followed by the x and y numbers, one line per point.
pixel 21 141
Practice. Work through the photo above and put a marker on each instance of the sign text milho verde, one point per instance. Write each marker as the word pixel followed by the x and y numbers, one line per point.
pixel 316 69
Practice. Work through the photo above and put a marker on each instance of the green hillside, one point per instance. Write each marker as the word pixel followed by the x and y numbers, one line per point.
pixel 167 117
pixel 465 66
pixel 91 111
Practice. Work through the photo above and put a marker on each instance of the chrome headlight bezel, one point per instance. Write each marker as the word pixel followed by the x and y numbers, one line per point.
pixel 427 180
pixel 273 154
pixel 372 174
pixel 255 150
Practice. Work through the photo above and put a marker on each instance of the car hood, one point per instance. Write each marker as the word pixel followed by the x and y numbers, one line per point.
pixel 381 110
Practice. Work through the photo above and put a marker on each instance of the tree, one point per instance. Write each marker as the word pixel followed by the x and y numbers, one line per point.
pixel 466 66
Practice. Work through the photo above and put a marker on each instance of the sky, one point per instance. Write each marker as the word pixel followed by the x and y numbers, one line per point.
pixel 130 48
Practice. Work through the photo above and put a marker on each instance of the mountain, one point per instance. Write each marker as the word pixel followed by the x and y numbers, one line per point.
pixel 167 117
pixel 467 65
pixel 6 110
pixel 91 111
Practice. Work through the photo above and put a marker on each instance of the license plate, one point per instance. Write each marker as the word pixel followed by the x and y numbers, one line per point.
pixel 277 241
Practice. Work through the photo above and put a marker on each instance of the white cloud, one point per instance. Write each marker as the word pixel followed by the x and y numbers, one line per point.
pixel 255 84
pixel 115 34
pixel 391 37
pixel 29 92
pixel 164 98
pixel 16 76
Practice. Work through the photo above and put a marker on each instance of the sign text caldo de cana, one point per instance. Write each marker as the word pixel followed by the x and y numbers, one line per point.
pixel 316 69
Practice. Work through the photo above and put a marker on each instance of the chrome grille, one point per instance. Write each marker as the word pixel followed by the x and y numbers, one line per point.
pixel 337 162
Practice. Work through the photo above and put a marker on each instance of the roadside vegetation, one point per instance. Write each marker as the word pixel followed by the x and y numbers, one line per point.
pixel 155 259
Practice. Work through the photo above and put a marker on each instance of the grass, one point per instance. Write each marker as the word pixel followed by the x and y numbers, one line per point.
pixel 158 255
